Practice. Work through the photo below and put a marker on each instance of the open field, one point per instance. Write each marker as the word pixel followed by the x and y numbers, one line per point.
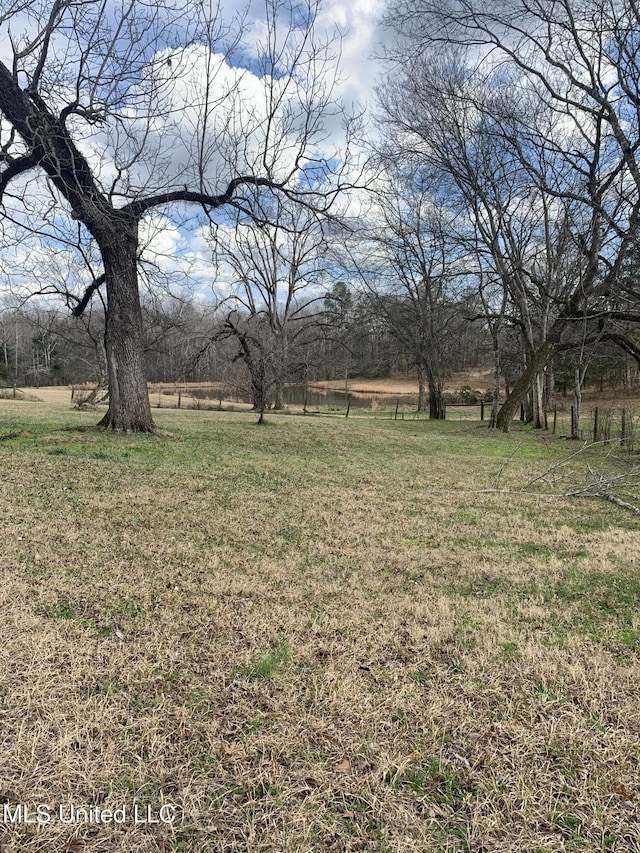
pixel 315 635
pixel 477 379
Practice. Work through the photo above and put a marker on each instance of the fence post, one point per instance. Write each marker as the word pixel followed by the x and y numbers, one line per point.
pixel 348 407
pixel 481 410
pixel 555 418
pixel 623 426
pixel 595 424
pixel 395 417
pixel 179 399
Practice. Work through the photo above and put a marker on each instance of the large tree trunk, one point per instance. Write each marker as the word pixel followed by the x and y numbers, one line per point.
pixel 278 396
pixel 537 361
pixel 549 385
pixel 129 408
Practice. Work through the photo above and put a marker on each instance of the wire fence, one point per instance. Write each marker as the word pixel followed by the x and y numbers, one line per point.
pixel 334 403
pixel 608 424
pixel 618 423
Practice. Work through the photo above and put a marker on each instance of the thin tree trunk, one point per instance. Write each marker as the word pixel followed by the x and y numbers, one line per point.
pixel 422 395
pixel 437 408
pixel 129 408
pixel 495 398
pixel 577 401
pixel 510 406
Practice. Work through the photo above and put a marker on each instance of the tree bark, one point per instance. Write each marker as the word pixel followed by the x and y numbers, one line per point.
pixel 129 408
pixel 437 408
pixel 537 361
pixel 549 385
pixel 257 377
pixel 422 396
pixel 495 396
pixel 537 408
pixel 577 403
pixel 278 397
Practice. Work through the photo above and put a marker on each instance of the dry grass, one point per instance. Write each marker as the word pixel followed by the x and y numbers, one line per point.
pixel 311 636
pixel 477 379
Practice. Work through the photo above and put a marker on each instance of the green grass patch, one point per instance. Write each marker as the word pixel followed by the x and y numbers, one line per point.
pixel 322 635
pixel 533 550
pixel 437 782
pixel 265 666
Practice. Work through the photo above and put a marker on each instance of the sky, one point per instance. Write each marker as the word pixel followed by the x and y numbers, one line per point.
pixel 239 117
pixel 357 23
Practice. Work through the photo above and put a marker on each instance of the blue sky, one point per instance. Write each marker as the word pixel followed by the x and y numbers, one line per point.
pixel 174 242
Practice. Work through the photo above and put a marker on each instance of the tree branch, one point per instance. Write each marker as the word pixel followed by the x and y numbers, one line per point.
pixel 140 206
pixel 79 309
pixel 17 167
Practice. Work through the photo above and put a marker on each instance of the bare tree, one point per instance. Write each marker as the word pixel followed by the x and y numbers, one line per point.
pixel 575 65
pixel 115 111
pixel 273 262
pixel 407 267
pixel 515 229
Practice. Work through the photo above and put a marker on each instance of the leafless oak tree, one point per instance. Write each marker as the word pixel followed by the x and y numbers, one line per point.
pixel 554 88
pixel 114 111
pixel 274 265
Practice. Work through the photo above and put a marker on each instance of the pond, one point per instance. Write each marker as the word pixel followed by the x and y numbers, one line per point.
pixel 318 398
pixel 334 398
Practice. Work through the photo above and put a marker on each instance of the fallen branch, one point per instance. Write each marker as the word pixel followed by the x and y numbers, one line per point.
pixel 92 398
pixel 620 489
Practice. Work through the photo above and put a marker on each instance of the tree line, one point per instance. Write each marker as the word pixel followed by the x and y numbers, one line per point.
pixel 352 335
pixel 497 201
pixel 187 341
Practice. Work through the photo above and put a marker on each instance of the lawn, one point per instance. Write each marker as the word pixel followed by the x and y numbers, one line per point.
pixel 321 634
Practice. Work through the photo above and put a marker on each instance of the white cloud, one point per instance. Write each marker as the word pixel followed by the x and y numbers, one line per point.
pixel 170 144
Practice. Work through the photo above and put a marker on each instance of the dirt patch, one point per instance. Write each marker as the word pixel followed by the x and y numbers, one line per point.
pixel 478 380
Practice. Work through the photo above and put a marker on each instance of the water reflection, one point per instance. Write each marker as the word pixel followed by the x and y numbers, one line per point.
pixel 317 398
pixel 323 398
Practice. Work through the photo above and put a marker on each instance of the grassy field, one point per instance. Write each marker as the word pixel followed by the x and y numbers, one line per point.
pixel 315 635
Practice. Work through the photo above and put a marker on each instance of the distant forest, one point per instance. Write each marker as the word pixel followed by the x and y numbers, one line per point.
pixel 351 335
